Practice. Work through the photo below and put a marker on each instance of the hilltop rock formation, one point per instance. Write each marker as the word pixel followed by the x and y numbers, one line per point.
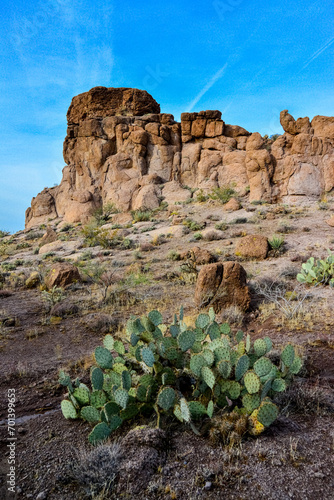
pixel 119 148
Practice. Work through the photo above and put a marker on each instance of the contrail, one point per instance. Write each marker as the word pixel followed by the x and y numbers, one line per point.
pixel 320 51
pixel 207 87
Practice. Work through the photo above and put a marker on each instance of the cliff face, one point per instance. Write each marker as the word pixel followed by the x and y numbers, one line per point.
pixel 119 148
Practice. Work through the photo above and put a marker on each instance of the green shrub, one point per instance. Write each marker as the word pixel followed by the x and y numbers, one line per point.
pixel 173 255
pixel 276 242
pixel 222 194
pixel 318 272
pixel 95 235
pixel 198 236
pixel 201 197
pixel 221 226
pixel 4 233
pixel 182 372
pixel 193 225
pixel 141 215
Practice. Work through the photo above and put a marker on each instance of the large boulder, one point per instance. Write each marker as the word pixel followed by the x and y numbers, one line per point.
pixel 61 274
pixel 252 247
pixel 222 285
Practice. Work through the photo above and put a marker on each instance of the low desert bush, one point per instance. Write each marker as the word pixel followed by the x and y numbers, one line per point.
pixel 222 194
pixel 316 272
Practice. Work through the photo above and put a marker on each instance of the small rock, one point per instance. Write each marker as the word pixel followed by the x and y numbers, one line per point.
pixel 232 205
pixel 33 280
pixel 208 485
pixel 252 246
pixel 42 495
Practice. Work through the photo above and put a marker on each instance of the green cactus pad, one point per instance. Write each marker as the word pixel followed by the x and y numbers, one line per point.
pixel 241 367
pixel 239 336
pixel 129 412
pixel 288 355
pixel 111 409
pixel 146 380
pixel 141 393
pixel 202 321
pixel 74 401
pixel 260 347
pixel 90 413
pixel 234 357
pixel 108 342
pixel 147 324
pixel 278 385
pixel 197 410
pixel 224 385
pixel 184 408
pixel 64 379
pixel 172 354
pixel 210 409
pixel 296 366
pixel 126 380
pixel 103 357
pixel 186 340
pixel 115 422
pixel 134 326
pixel 213 331
pixel 121 397
pixel 199 335
pixel 81 394
pixel 146 337
pixel 197 347
pixel 211 313
pixel 234 389
pixel 119 347
pixel 251 402
pixel 269 343
pixel 208 376
pixel 224 368
pixel 174 330
pixel 97 378
pixel 134 339
pixel 166 398
pixel 225 329
pixel 222 353
pixel 266 388
pixel 100 432
pixel 248 343
pixel 241 348
pixel 267 413
pixel 98 399
pixel 157 334
pixel 262 366
pixel 119 368
pixel 208 356
pixel 68 410
pixel 252 382
pixel 168 376
pixel 215 344
pixel 155 317
pixel 177 412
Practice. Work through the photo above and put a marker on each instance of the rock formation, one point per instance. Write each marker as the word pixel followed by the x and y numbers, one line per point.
pixel 119 148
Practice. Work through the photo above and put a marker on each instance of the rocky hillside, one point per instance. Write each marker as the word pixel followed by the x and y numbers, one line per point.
pixel 120 149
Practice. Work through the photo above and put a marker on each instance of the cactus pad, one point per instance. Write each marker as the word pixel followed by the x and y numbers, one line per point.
pixel 208 356
pixel 90 413
pixel 296 365
pixel 103 357
pixel 108 342
pixel 97 379
pixel 224 368
pixel 210 408
pixel 202 321
pixel 260 347
pixel 278 385
pixel 81 394
pixel 241 367
pixel 251 402
pixel 196 364
pixel 239 336
pixel 186 340
pixel 269 343
pixel 222 353
pixel 119 368
pixel 197 410
pixel 98 399
pixel 111 409
pixel 68 409
pixel 126 380
pixel 147 356
pixel 100 432
pixel 262 366
pixel 119 347
pixel 255 427
pixel 121 397
pixel 234 389
pixel 155 317
pixel 213 331
pixel 129 412
pixel 184 408
pixel 252 382
pixel 267 413
pixel 225 329
pixel 208 376
pixel 174 330
pixel 115 422
pixel 288 355
pixel 166 398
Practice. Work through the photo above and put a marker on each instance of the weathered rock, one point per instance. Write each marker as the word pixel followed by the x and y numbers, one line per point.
pixel 252 247
pixel 61 274
pixel 330 221
pixel 64 308
pixel 33 280
pixel 49 236
pixel 221 286
pixel 199 255
pixel 232 205
pixel 61 247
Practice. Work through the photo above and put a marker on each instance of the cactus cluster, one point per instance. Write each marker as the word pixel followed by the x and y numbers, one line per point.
pixel 181 371
pixel 320 271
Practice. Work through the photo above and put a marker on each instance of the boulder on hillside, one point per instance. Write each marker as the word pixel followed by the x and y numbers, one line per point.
pixel 200 255
pixel 61 274
pixel 222 285
pixel 252 247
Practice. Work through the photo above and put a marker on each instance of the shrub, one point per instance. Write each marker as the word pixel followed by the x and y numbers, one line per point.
pixel 141 215
pixel 221 226
pixel 200 196
pixel 95 235
pixel 182 372
pixel 198 236
pixel 276 242
pixel 193 225
pixel 4 233
pixel 318 272
pixel 173 255
pixel 222 194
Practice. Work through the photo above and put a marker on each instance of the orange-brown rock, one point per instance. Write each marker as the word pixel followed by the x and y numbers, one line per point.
pixel 61 274
pixel 330 221
pixel 199 255
pixel 49 236
pixel 222 285
pixel 232 205
pixel 252 247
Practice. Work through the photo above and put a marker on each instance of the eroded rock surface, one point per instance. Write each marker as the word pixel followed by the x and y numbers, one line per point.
pixel 120 149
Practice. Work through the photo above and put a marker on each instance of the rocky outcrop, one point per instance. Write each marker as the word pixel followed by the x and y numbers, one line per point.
pixel 120 149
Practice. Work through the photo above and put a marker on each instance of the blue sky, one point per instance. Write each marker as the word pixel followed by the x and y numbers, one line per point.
pixel 250 59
